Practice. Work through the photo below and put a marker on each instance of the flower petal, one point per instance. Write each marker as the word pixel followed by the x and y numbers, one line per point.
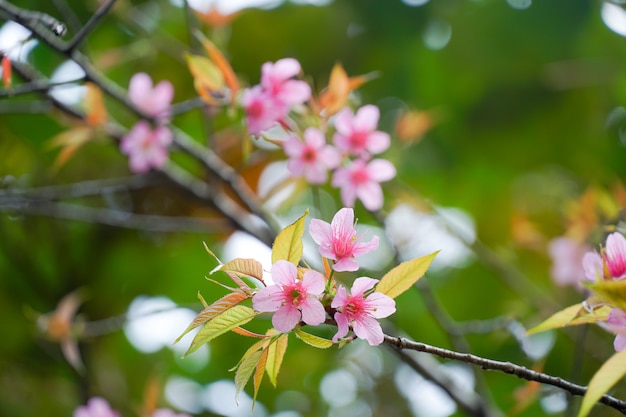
pixel 268 299
pixel 361 285
pixel 342 326
pixel 346 264
pixel 284 273
pixel 313 312
pixel 368 328
pixel 286 318
pixel 321 232
pixel 341 297
pixel 313 282
pixel 380 305
pixel 366 118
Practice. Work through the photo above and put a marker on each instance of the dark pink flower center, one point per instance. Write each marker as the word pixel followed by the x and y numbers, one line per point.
pixel 616 266
pixel 255 109
pixel 294 294
pixel 358 140
pixel 355 307
pixel 359 176
pixel 309 155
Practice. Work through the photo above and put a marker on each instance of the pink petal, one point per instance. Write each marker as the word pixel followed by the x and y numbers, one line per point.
pixel 381 170
pixel 313 282
pixel 343 122
pixel 361 285
pixel 316 174
pixel 348 195
pixel 346 264
pixel 294 92
pixel 313 312
pixel 343 222
pixel 619 343
pixel 293 147
pixel 381 305
pixel 366 118
pixel 362 248
pixel 314 138
pixel 286 318
pixel 295 167
pixel 268 299
pixel 616 254
pixel 342 326
pixel 330 157
pixel 284 273
pixel 321 232
pixel 378 142
pixel 138 164
pixel 341 297
pixel 162 94
pixel 282 69
pixel 139 86
pixel 593 266
pixel 369 329
pixel 162 136
pixel 371 195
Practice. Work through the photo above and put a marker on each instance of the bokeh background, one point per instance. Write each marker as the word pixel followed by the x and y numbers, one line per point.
pixel 517 109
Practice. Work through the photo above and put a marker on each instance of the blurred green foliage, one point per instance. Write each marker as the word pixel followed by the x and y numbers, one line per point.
pixel 521 99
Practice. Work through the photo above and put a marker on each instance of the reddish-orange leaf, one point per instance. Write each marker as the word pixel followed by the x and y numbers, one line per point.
pixel 208 78
pixel 94 105
pixel 70 141
pixel 335 96
pixel 6 71
pixel 222 63
pixel 214 18
pixel 413 124
pixel 243 332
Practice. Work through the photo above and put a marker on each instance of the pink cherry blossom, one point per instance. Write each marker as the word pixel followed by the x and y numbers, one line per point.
pixel 262 112
pixel 145 147
pixel 361 179
pixel 166 412
pixel 291 298
pixel 613 257
pixel 338 240
pixel 616 323
pixel 152 101
pixel 311 158
pixel 360 311
pixel 96 407
pixel 276 80
pixel 567 266
pixel 357 134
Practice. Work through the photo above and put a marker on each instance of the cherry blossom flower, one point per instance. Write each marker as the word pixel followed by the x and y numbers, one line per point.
pixel 613 257
pixel 357 134
pixel 291 298
pixel 166 412
pixel 338 240
pixel 276 80
pixel 262 112
pixel 617 324
pixel 152 101
pixel 311 158
pixel 96 407
pixel 145 147
pixel 567 255
pixel 360 311
pixel 361 179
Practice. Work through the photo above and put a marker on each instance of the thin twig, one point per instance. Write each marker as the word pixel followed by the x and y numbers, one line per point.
pixel 35 87
pixel 89 26
pixel 506 367
pixel 29 18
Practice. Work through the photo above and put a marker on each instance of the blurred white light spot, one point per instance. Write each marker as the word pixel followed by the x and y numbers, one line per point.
pixel 538 345
pixel 219 397
pixel 460 374
pixel 292 401
pixel 415 3
pixel 273 186
pixel 424 397
pixel 184 394
pixel 416 233
pixel 554 403
pixel 69 94
pixel 437 35
pixel 155 322
pixel 520 4
pixel 318 3
pixel 357 408
pixel 227 6
pixel 338 388
pixel 243 245
pixel 12 37
pixel 614 17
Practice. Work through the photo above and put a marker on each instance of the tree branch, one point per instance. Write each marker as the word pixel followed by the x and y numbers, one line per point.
pixel 89 26
pixel 506 367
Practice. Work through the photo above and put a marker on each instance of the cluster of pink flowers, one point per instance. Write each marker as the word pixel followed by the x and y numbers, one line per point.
pixel 610 264
pixel 146 146
pixel 270 102
pixel 99 407
pixel 294 298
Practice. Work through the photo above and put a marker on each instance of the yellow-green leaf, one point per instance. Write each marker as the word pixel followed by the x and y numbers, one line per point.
pixel 246 369
pixel 288 243
pixel 607 376
pixel 244 267
pixel 226 321
pixel 275 353
pixel 572 316
pixel 215 309
pixel 208 79
pixel 403 276
pixel 258 374
pixel 611 292
pixel 315 341
pixel 259 345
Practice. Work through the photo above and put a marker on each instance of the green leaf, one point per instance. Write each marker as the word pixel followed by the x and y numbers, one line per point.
pixel 611 292
pixel 244 267
pixel 288 243
pixel 226 321
pixel 315 341
pixel 210 252
pixel 572 316
pixel 275 353
pixel 259 345
pixel 245 370
pixel 208 79
pixel 607 376
pixel 212 311
pixel 403 276
pixel 258 374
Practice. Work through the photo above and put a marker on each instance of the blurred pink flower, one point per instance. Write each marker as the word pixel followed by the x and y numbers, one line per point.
pixel 152 101
pixel 360 311
pixel 616 323
pixel 166 412
pixel 291 298
pixel 613 257
pixel 311 158
pixel 276 80
pixel 357 134
pixel 262 112
pixel 567 261
pixel 361 179
pixel 338 240
pixel 96 407
pixel 145 147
